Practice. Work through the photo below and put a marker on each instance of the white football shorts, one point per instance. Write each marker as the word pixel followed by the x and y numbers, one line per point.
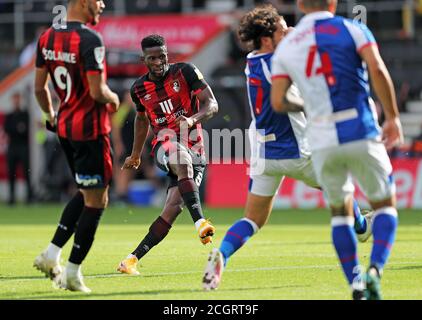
pixel 266 175
pixel 366 161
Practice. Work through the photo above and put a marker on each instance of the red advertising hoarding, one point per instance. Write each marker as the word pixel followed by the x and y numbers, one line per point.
pixel 227 186
pixel 183 33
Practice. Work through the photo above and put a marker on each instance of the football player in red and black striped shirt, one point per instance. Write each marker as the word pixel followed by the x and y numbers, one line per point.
pixel 74 58
pixel 173 99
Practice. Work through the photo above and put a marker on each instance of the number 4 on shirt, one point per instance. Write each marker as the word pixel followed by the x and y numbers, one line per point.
pixel 326 67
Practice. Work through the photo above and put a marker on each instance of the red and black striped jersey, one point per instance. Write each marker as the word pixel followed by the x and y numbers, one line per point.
pixel 172 96
pixel 69 55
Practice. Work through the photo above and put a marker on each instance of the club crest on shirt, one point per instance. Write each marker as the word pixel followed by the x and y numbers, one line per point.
pixel 99 53
pixel 176 86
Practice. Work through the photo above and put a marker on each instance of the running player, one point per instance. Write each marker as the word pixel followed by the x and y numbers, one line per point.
pixel 328 58
pixel 173 99
pixel 74 58
pixel 280 136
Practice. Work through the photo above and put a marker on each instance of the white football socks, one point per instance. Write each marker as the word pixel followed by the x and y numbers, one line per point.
pixel 53 252
pixel 72 269
pixel 198 223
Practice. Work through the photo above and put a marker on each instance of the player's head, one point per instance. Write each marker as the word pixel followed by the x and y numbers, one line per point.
pixel 308 6
pixel 89 10
pixel 155 55
pixel 262 28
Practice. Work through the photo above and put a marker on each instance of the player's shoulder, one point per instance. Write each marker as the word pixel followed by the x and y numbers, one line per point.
pixel 89 35
pixel 183 66
pixel 254 56
pixel 45 34
pixel 187 69
pixel 354 25
pixel 138 83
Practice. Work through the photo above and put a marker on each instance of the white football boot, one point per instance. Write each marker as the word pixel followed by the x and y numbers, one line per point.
pixel 213 271
pixel 51 268
pixel 72 281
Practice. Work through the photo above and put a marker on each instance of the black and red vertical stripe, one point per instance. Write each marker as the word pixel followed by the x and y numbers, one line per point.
pixel 80 117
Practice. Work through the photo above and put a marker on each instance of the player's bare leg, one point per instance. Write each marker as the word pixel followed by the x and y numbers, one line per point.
pixel 258 209
pixel 363 220
pixel 96 200
pixel 157 232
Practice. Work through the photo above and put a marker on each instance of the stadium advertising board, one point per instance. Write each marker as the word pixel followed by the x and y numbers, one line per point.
pixel 227 186
pixel 184 33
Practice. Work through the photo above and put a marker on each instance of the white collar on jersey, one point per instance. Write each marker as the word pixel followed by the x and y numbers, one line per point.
pixel 254 54
pixel 319 15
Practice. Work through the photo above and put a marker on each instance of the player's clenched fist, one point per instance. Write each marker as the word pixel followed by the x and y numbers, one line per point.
pixel 392 133
pixel 132 162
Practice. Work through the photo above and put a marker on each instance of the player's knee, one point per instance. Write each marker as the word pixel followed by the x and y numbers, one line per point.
pixel 96 198
pixel 342 208
pixel 337 211
pixel 390 202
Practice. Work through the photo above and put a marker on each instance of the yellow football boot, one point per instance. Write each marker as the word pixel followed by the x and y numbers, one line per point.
pixel 206 230
pixel 128 266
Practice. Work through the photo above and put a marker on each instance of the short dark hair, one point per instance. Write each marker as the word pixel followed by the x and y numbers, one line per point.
pixel 153 40
pixel 260 22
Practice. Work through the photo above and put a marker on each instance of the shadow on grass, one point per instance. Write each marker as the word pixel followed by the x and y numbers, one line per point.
pixel 406 268
pixel 5 278
pixel 79 296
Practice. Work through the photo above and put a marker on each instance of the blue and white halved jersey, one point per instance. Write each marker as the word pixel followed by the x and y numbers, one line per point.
pixel 272 135
pixel 321 55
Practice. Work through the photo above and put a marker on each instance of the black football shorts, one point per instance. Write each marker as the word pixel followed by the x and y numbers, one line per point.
pixel 161 158
pixel 90 161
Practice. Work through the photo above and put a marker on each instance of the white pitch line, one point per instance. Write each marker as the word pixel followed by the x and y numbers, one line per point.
pixel 146 275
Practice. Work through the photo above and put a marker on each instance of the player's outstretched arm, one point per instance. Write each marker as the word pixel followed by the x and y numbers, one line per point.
pixel 384 88
pixel 282 99
pixel 42 93
pixel 140 134
pixel 208 105
pixel 100 91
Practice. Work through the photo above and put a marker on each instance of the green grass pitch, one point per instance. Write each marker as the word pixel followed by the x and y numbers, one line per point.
pixel 290 258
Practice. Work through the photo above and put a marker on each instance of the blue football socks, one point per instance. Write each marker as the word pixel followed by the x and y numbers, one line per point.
pixel 236 236
pixel 360 221
pixel 345 243
pixel 384 232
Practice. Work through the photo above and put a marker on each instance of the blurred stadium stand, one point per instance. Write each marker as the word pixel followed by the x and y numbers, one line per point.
pixel 397 25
